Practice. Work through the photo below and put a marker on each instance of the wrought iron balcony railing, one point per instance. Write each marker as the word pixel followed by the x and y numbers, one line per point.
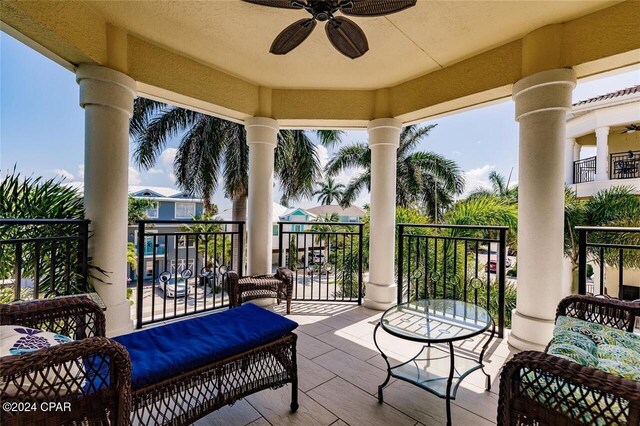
pixel 624 165
pixel 584 170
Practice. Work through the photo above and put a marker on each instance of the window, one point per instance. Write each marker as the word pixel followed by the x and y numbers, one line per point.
pixel 182 265
pixel 275 230
pixel 185 210
pixel 152 210
pixel 182 241
pixel 148 268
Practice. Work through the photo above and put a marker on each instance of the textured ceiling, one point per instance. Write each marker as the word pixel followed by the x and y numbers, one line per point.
pixel 235 37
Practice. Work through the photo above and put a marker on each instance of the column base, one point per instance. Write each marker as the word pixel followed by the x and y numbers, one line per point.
pixel 530 333
pixel 380 297
pixel 119 319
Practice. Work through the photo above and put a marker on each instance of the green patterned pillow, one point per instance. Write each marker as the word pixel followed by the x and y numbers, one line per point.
pixel 619 369
pixel 573 353
pixel 563 336
pixel 613 336
pixel 590 329
pixel 619 354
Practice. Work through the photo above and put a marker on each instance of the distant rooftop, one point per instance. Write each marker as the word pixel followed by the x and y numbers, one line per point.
pixel 154 191
pixel 611 95
pixel 331 209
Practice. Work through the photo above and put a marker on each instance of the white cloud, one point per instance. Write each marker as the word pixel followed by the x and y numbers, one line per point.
pixel 167 157
pixel 478 178
pixel 323 155
pixel 155 171
pixel 65 174
pixel 80 172
pixel 134 176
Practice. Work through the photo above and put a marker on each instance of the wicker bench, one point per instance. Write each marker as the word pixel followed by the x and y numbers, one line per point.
pixel 278 286
pixel 109 391
pixel 538 388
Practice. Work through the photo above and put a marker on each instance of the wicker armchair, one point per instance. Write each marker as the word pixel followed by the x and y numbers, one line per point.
pixel 541 389
pixel 278 285
pixel 82 319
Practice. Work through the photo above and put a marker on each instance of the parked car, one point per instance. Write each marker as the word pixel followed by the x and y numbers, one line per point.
pixel 172 289
pixel 491 266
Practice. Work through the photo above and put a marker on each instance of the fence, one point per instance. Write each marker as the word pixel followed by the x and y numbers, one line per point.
pixel 181 267
pixel 326 258
pixel 43 258
pixel 584 170
pixel 454 262
pixel 624 165
pixel 615 252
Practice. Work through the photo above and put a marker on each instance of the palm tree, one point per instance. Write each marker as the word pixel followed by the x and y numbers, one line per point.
pixel 329 192
pixel 424 178
pixel 499 188
pixel 211 148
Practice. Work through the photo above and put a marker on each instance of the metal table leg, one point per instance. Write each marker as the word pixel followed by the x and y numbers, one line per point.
pixel 386 381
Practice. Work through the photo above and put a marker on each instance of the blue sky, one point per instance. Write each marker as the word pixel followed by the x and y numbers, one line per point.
pixel 42 126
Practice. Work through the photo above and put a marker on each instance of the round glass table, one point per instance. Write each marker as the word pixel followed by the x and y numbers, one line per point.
pixel 437 323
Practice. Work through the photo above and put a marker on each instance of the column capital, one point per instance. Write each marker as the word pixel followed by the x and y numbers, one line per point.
pixel 602 131
pixel 262 130
pixel 384 131
pixel 105 87
pixel 544 91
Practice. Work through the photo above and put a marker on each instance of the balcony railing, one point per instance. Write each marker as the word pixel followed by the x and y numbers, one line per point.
pixel 454 262
pixel 624 165
pixel 616 253
pixel 326 258
pixel 43 258
pixel 584 170
pixel 181 272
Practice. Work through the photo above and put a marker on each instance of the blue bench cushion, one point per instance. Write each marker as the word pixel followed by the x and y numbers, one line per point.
pixel 169 350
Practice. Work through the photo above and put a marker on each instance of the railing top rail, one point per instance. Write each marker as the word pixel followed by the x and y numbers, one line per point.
pixel 322 223
pixel 584 160
pixel 445 226
pixel 633 151
pixel 607 229
pixel 14 221
pixel 187 221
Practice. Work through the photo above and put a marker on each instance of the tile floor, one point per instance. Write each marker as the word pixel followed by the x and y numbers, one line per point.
pixel 339 372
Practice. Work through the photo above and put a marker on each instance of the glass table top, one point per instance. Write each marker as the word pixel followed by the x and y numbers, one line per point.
pixel 436 320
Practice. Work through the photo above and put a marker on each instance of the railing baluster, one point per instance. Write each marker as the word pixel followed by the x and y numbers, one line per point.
pixel 139 295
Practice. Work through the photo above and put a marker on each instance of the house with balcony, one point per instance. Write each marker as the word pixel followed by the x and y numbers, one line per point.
pixel 161 241
pixel 423 292
pixel 609 123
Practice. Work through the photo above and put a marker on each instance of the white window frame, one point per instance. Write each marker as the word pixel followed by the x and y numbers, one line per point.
pixel 175 212
pixel 182 265
pixel 148 268
pixel 192 241
pixel 153 206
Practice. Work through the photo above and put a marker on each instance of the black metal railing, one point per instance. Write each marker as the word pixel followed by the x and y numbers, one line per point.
pixel 616 253
pixel 624 165
pixel 182 264
pixel 43 258
pixel 584 170
pixel 454 262
pixel 326 258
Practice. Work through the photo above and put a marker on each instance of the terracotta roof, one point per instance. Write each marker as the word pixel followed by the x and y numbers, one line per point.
pixel 616 94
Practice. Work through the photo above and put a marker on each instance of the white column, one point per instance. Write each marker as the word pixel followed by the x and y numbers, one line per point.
pixel 542 101
pixel 262 138
pixel 107 98
pixel 602 153
pixel 576 150
pixel 569 158
pixel 384 139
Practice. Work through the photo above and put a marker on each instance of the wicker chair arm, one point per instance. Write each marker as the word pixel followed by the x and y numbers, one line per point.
pixel 231 278
pixel 515 403
pixel 610 312
pixel 92 374
pixel 74 316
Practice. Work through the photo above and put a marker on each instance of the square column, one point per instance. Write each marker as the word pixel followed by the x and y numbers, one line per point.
pixel 542 101
pixel 602 154
pixel 107 98
pixel 384 139
pixel 262 138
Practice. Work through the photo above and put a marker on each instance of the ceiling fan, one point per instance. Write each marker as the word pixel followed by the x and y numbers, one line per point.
pixel 631 128
pixel 347 37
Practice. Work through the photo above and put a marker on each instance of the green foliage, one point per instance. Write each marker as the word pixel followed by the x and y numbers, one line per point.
pixel 589 270
pixel 137 209
pixel 217 248
pixel 329 192
pixel 424 179
pixel 513 272
pixel 35 197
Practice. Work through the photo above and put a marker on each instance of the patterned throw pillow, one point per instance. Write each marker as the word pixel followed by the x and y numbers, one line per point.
pixel 18 340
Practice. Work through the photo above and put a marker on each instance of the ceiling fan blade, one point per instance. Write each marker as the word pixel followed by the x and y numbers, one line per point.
pixel 374 7
pixel 292 36
pixel 346 37
pixel 282 4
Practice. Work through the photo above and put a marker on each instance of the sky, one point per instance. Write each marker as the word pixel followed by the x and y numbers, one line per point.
pixel 42 127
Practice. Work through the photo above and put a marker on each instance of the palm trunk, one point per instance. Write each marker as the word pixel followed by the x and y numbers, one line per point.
pixel 239 214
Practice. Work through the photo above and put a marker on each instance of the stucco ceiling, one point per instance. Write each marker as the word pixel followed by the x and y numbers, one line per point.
pixel 235 37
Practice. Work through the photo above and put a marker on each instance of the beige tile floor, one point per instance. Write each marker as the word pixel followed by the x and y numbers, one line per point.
pixel 339 372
